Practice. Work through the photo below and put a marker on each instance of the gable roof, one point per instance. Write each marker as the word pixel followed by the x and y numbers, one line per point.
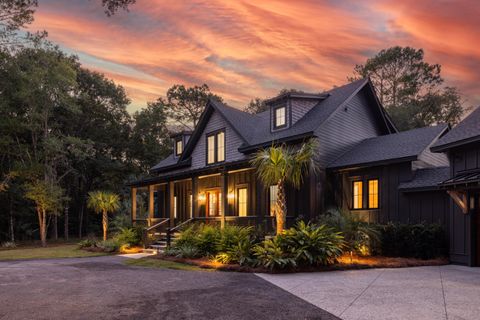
pixel 397 147
pixel 254 129
pixel 465 132
pixel 426 179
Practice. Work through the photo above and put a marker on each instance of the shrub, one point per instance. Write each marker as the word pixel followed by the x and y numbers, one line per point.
pixel 360 237
pixel 129 236
pixel 121 221
pixel 423 241
pixel 310 244
pixel 9 244
pixel 109 246
pixel 271 254
pixel 240 252
pixel 87 243
pixel 183 251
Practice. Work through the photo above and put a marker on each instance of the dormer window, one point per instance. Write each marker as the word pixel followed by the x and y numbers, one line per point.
pixel 280 117
pixel 216 147
pixel 178 147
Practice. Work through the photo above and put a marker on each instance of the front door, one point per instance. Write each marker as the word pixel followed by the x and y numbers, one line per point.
pixel 214 203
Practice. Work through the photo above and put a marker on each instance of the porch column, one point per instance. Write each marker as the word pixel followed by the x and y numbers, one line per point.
pixel 151 207
pixel 171 202
pixel 224 188
pixel 195 197
pixel 134 204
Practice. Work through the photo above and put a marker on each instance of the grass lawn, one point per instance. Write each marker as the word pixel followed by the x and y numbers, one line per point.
pixel 158 263
pixel 50 252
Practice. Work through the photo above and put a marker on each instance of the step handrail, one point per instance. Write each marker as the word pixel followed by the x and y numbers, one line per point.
pixel 170 231
pixel 155 226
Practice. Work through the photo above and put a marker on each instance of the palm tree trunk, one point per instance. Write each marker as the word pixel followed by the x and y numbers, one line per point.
pixel 281 206
pixel 105 224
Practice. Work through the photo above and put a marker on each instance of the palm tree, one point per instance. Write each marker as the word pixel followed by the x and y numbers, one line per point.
pixel 281 165
pixel 104 202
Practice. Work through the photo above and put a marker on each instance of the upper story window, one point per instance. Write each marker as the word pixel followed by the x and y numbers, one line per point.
pixel 216 147
pixel 178 147
pixel 280 117
pixel 373 194
pixel 357 195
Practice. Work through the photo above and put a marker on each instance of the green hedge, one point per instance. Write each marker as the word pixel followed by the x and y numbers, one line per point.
pixel 423 241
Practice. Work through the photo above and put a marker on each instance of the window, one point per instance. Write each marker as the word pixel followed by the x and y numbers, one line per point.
pixel 191 205
pixel 175 207
pixel 216 147
pixel 242 202
pixel 214 203
pixel 357 195
pixel 373 194
pixel 273 200
pixel 280 119
pixel 178 147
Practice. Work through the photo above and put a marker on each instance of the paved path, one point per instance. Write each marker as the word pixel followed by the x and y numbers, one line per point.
pixel 105 288
pixel 447 292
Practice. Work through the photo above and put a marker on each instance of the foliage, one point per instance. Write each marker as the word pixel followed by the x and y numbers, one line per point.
pixel 129 236
pixel 14 15
pixel 185 250
pixel 283 164
pixel 87 243
pixel 121 221
pixel 9 244
pixel 271 254
pixel 360 237
pixel 185 105
pixel 411 89
pixel 424 241
pixel 255 106
pixel 112 6
pixel 109 246
pixel 104 202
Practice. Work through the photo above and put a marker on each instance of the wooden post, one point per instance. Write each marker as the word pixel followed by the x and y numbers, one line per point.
pixel 195 196
pixel 134 204
pixel 171 202
pixel 151 208
pixel 224 188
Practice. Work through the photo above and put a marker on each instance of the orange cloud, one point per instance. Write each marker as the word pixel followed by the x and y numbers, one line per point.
pixel 245 49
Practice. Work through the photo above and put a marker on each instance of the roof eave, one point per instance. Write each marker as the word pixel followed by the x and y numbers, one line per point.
pixel 454 144
pixel 294 138
pixel 355 166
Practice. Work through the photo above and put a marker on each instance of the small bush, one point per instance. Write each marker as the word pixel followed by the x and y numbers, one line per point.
pixel 9 245
pixel 184 251
pixel 271 254
pixel 423 241
pixel 109 246
pixel 129 236
pixel 87 243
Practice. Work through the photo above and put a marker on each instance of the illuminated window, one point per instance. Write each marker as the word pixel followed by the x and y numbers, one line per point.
pixel 280 117
pixel 212 204
pixel 220 146
pixel 191 205
pixel 216 147
pixel 175 207
pixel 357 195
pixel 273 200
pixel 373 194
pixel 242 202
pixel 178 147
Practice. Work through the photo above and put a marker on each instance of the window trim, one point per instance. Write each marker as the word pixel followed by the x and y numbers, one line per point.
pixel 361 194
pixel 378 192
pixel 215 146
pixel 275 125
pixel 176 146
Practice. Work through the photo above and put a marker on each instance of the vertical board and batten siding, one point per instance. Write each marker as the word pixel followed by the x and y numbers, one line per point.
pixel 232 142
pixel 394 205
pixel 347 127
pixel 462 159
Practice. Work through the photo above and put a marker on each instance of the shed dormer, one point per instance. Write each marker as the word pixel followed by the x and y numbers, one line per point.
pixel 180 140
pixel 287 108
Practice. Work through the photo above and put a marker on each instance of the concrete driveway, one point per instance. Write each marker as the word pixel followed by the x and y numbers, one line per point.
pixel 105 288
pixel 447 292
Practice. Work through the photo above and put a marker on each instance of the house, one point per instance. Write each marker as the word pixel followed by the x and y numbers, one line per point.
pixel 462 145
pixel 366 165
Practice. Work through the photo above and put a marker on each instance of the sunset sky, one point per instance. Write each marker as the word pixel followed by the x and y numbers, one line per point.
pixel 246 49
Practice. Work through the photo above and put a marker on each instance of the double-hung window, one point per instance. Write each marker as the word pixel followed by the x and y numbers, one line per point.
pixel 373 194
pixel 178 147
pixel 280 117
pixel 242 202
pixel 216 147
pixel 357 195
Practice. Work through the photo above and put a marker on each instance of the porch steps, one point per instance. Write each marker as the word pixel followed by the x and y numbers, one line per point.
pixel 159 243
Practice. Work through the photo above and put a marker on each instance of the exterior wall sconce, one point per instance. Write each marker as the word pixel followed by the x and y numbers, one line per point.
pixel 231 195
pixel 201 197
pixel 472 202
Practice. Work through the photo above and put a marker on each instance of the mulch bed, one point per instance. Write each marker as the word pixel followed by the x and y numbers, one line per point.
pixel 344 263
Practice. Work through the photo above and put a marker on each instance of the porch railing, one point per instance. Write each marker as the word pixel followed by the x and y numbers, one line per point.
pixel 153 229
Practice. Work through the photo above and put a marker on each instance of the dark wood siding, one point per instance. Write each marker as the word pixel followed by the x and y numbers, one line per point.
pixel 394 205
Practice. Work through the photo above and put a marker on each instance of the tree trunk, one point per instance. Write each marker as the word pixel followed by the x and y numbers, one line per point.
pixel 65 231
pixel 105 224
pixel 42 221
pixel 11 230
pixel 80 220
pixel 281 206
pixel 55 227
